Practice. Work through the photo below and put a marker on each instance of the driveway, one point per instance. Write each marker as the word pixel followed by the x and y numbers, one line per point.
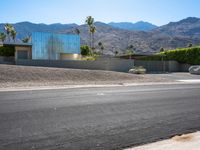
pixel 176 76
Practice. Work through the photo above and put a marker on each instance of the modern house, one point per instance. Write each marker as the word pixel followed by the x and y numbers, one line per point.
pixel 48 46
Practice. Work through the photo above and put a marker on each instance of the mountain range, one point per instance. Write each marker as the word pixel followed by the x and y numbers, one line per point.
pixel 138 26
pixel 144 38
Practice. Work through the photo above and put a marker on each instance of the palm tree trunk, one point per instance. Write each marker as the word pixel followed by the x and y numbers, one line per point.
pixel 90 40
pixel 93 41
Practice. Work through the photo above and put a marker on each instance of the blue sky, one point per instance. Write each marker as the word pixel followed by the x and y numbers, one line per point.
pixel 158 12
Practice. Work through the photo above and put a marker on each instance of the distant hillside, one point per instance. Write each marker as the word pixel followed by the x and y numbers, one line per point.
pixel 186 27
pixel 170 36
pixel 26 28
pixel 138 26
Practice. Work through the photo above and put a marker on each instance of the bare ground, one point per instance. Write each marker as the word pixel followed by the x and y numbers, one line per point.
pixel 26 76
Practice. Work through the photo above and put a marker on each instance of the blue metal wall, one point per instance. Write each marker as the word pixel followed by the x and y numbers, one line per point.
pixel 49 45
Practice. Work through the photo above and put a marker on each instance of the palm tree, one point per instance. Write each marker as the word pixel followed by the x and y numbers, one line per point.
pixel 8 28
pixel 2 37
pixel 101 47
pixel 77 31
pixel 13 34
pixel 100 44
pixel 92 30
pixel 90 21
pixel 26 39
pixel 116 53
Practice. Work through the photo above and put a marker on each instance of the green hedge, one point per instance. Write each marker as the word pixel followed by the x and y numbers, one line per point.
pixel 7 51
pixel 183 55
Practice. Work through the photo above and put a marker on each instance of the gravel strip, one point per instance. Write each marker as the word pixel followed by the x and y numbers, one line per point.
pixel 26 76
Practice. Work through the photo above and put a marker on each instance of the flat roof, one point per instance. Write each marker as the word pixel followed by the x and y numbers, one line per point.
pixel 17 44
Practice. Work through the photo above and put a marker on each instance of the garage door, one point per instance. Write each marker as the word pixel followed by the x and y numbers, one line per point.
pixel 22 54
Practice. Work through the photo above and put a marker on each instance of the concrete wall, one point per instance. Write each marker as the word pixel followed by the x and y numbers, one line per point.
pixel 111 64
pixel 185 67
pixel 162 66
pixel 64 56
pixel 7 60
pixel 152 66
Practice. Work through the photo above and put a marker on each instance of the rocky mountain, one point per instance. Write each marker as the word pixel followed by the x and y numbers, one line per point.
pixel 138 26
pixel 170 36
pixel 26 28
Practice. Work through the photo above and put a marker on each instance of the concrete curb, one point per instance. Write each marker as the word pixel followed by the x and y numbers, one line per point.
pixel 34 88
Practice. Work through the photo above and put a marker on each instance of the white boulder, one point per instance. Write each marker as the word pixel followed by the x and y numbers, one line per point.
pixel 194 70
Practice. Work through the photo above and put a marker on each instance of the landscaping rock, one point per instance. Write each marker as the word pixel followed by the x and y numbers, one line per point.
pixel 194 70
pixel 137 70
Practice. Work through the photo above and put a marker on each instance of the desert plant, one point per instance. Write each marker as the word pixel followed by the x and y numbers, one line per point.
pixel 190 45
pixel 7 51
pixel 89 58
pixel 26 39
pixel 100 44
pixel 85 50
pixel 129 52
pixel 2 37
pixel 116 53
pixel 162 49
pixel 77 31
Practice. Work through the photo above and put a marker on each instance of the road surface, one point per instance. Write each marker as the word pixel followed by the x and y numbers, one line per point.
pixel 97 118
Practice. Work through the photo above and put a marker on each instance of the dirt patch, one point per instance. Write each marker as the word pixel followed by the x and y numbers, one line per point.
pixel 183 138
pixel 183 142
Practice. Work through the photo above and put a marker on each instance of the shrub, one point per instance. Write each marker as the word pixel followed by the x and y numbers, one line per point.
pixel 89 58
pixel 85 50
pixel 7 51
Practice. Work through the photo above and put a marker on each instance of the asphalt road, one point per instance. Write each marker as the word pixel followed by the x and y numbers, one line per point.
pixel 97 118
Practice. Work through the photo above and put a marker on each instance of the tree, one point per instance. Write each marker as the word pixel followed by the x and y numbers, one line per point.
pixel 130 47
pixel 190 45
pixel 77 31
pixel 116 53
pixel 93 30
pixel 129 52
pixel 26 39
pixel 8 28
pixel 90 21
pixel 162 49
pixel 85 50
pixel 13 34
pixel 100 44
pixel 2 37
pixel 101 47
